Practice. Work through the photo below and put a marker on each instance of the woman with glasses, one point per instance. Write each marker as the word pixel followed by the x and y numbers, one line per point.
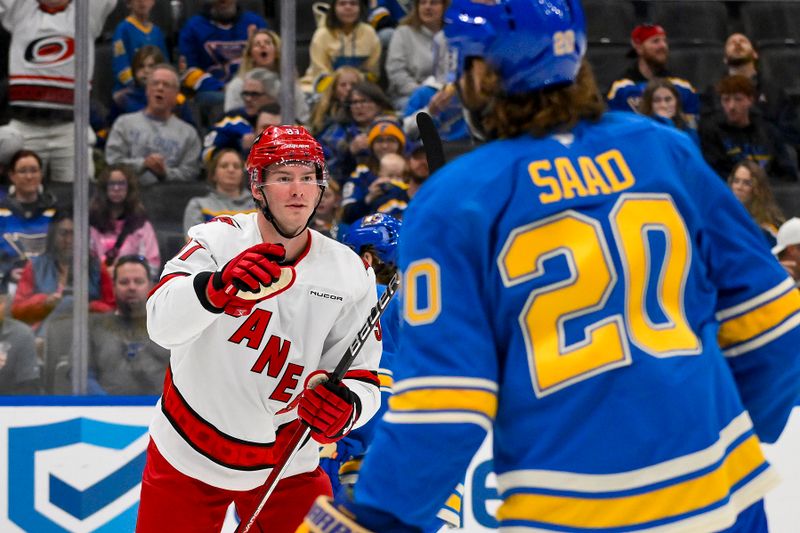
pixel 345 141
pixel 263 50
pixel 228 194
pixel 345 39
pixel 118 222
pixel 25 214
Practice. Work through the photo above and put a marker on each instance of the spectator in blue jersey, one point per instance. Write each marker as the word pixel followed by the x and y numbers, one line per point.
pixel 365 192
pixel 229 194
pixel 237 128
pixel 772 101
pixel 211 45
pixel 331 97
pixel 651 49
pixel 345 39
pixel 750 185
pixel 410 58
pixel 158 145
pixel 737 133
pixel 662 101
pixel 20 372
pixel 263 50
pixel 437 96
pixel 134 97
pixel 25 214
pixel 130 35
pixel 571 235
pixel 345 141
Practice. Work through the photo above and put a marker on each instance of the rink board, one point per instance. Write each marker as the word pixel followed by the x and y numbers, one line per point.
pixel 74 464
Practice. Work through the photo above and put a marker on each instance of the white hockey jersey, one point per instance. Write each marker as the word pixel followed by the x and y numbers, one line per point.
pixel 42 52
pixel 219 418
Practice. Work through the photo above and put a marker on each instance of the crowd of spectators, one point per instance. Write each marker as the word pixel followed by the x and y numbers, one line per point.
pixel 186 107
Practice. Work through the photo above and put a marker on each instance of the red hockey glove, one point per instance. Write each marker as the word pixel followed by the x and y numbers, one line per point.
pixel 329 410
pixel 249 271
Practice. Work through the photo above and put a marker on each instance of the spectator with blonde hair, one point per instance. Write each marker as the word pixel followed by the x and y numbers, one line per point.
pixel 333 92
pixel 409 60
pixel 229 194
pixel 263 50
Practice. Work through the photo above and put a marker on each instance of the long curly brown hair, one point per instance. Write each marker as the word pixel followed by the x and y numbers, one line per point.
pixel 762 205
pixel 100 213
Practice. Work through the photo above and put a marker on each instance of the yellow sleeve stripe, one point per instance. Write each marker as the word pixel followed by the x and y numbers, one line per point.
pixel 757 321
pixel 625 511
pixel 386 381
pixel 476 401
pixel 350 467
pixel 193 77
pixel 454 502
pixel 617 85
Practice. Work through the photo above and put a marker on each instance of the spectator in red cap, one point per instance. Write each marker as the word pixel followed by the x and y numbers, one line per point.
pixel 651 49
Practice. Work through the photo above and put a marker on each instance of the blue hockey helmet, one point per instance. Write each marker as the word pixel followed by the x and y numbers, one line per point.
pixel 532 44
pixel 378 230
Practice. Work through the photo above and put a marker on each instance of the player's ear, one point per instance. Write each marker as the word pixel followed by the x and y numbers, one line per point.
pixel 368 258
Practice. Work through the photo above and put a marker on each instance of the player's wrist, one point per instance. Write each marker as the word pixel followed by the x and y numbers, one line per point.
pixel 208 297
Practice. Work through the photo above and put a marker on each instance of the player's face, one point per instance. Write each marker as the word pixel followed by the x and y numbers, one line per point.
pixel 263 51
pixel 742 185
pixel 26 177
pixel 162 90
pixel 738 49
pixel 131 286
pixel 292 192
pixel 655 50
pixel 431 13
pixel 737 108
pixel 664 103
pixel 347 11
pixel 117 187
pixel 228 173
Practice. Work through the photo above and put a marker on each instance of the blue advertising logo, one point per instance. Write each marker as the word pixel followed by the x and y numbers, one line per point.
pixel 25 442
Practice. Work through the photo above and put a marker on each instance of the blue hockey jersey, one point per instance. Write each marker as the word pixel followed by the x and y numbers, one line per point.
pixel 129 36
pixel 603 304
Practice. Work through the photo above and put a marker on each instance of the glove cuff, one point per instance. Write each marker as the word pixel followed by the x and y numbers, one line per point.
pixel 202 287
pixel 323 515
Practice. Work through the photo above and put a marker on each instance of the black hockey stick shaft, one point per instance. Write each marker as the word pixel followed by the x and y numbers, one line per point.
pixel 431 142
pixel 300 435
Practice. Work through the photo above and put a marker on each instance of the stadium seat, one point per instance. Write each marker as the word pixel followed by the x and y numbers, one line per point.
pixel 691 21
pixel 782 65
pixel 788 197
pixel 608 62
pixel 609 21
pixel 771 22
pixel 700 64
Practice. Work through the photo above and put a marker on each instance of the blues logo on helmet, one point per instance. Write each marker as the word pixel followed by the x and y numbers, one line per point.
pixel 380 231
pixel 532 44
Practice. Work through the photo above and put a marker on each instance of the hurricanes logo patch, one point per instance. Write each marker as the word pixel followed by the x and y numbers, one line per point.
pixel 50 50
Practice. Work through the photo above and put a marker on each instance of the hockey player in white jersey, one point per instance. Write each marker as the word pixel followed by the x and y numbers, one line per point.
pixel 250 308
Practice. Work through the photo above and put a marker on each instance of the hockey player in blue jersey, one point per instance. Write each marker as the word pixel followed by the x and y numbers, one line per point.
pixel 374 238
pixel 585 287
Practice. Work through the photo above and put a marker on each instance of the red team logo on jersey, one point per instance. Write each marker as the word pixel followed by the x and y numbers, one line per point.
pixel 50 50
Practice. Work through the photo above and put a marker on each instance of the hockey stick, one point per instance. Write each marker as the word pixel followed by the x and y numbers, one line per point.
pixel 301 434
pixel 431 141
pixel 434 152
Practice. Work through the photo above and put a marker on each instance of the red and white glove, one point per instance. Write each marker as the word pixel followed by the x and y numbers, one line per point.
pixel 249 271
pixel 329 410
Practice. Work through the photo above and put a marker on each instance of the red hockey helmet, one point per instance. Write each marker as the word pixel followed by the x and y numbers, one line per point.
pixel 285 144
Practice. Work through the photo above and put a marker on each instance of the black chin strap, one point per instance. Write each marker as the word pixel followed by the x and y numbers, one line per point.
pixel 264 208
